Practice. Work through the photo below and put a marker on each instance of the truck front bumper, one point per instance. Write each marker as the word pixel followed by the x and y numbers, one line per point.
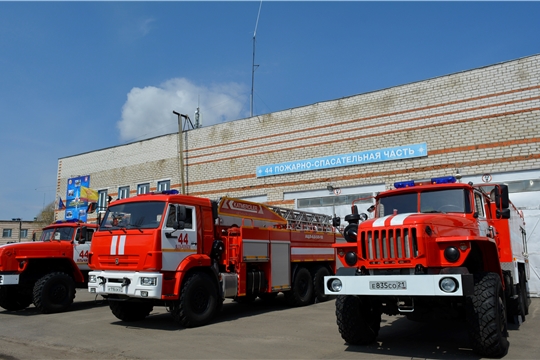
pixel 9 279
pixel 145 285
pixel 400 285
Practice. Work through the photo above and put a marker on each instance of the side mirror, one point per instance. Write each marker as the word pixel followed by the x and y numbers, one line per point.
pixel 84 235
pixel 502 198
pixel 181 216
pixel 505 214
pixel 91 208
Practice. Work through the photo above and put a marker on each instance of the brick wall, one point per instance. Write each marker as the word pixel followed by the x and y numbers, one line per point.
pixel 480 121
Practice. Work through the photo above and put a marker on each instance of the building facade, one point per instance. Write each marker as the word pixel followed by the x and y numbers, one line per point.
pixel 19 231
pixel 483 124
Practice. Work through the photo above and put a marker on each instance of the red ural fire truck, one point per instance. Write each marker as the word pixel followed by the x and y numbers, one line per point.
pixel 434 250
pixel 46 272
pixel 189 254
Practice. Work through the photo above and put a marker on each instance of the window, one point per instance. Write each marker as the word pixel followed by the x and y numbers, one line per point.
pixel 102 200
pixel 24 233
pixel 6 233
pixel 172 218
pixel 123 192
pixel 134 215
pixel 143 189
pixel 479 204
pixel 163 185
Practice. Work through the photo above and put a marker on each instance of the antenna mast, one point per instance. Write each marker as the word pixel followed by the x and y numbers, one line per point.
pixel 253 66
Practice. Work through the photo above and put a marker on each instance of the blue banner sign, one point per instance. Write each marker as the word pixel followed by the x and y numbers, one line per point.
pixel 76 205
pixel 333 161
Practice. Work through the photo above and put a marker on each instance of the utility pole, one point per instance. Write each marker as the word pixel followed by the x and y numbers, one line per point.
pixel 253 66
pixel 181 150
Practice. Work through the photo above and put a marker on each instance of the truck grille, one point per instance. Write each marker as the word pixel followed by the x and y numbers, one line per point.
pixel 389 246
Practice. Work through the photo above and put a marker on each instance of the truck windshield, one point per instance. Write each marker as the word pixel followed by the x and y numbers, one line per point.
pixel 59 233
pixel 435 201
pixel 141 215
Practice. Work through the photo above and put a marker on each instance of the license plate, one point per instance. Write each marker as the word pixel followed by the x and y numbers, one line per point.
pixel 114 289
pixel 388 285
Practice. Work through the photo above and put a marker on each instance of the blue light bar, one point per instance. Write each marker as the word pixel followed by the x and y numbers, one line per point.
pixel 404 184
pixel 443 180
pixel 170 192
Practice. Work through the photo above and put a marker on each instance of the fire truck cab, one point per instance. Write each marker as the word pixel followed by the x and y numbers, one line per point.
pixel 189 254
pixel 434 249
pixel 46 272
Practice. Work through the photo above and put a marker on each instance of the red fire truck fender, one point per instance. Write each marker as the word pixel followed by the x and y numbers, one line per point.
pixel 192 261
pixel 77 274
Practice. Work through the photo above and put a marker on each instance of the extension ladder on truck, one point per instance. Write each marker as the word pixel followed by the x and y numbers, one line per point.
pixel 304 220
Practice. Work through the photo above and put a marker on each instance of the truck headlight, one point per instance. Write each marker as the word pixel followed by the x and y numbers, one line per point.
pixel 448 284
pixel 91 278
pixel 335 285
pixel 148 281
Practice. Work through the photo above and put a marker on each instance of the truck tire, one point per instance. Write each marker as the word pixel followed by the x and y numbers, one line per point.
pixel 54 293
pixel 486 316
pixel 358 319
pixel 130 311
pixel 198 301
pixel 301 291
pixel 14 298
pixel 318 284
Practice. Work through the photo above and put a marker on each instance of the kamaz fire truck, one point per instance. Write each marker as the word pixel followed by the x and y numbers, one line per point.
pixel 434 250
pixel 46 272
pixel 189 254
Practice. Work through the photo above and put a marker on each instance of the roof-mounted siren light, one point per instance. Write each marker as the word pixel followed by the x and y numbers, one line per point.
pixel 404 184
pixel 444 180
pixel 170 192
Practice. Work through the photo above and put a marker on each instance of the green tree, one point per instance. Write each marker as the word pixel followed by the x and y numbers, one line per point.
pixel 46 216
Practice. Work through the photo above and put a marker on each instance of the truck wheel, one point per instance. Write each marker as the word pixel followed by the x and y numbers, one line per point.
pixel 14 298
pixel 198 301
pixel 130 311
pixel 301 291
pixel 54 292
pixel 358 319
pixel 486 316
pixel 318 284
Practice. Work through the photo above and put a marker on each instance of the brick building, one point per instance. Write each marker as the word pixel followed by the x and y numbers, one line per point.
pixel 483 123
pixel 19 231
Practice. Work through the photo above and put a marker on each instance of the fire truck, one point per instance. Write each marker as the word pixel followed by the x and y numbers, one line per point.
pixel 46 272
pixel 189 254
pixel 435 249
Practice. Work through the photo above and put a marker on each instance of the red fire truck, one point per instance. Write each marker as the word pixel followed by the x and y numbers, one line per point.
pixel 434 250
pixel 46 272
pixel 189 254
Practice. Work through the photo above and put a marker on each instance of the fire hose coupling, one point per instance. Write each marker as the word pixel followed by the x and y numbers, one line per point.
pixel 125 281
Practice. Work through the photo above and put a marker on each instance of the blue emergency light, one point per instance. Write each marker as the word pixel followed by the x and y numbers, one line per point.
pixel 443 180
pixel 170 192
pixel 404 184
pixel 437 180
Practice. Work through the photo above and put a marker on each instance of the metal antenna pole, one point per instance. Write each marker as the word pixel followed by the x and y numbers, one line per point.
pixel 181 150
pixel 253 66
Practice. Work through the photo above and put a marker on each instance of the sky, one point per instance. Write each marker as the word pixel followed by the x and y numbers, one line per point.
pixel 77 77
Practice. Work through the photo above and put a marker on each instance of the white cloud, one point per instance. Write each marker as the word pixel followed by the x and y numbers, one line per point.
pixel 148 111
pixel 145 26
